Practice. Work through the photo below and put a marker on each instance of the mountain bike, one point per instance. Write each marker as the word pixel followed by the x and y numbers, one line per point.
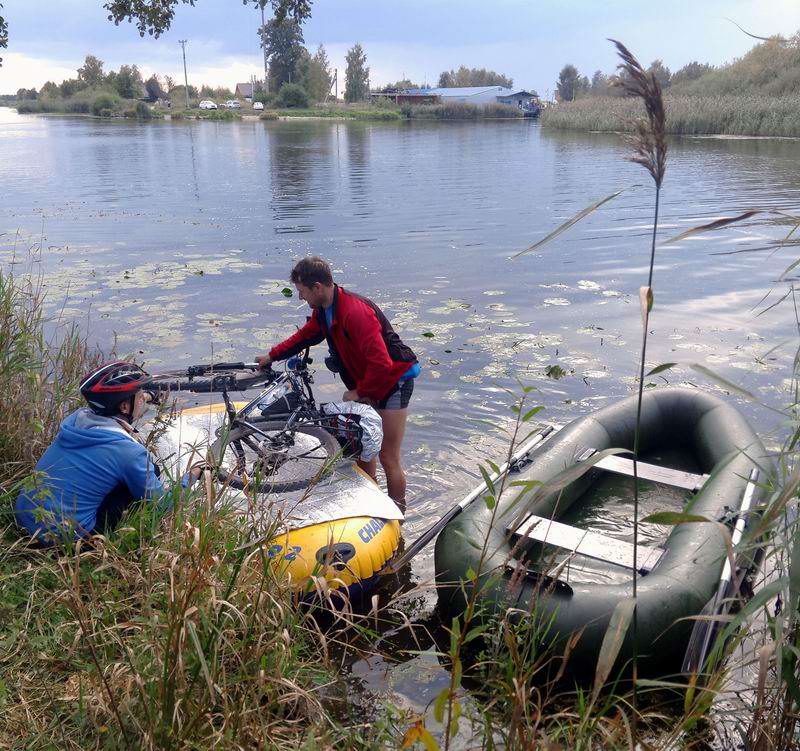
pixel 280 441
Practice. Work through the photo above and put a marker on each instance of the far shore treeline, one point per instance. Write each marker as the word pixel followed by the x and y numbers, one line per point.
pixel 757 94
pixel 298 83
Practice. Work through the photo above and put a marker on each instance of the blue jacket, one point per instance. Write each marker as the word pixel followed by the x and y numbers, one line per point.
pixel 90 456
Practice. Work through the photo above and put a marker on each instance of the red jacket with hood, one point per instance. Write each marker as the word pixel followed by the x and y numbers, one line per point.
pixel 371 354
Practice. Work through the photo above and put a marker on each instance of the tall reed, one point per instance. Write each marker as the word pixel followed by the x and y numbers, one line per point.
pixel 42 360
pixel 729 114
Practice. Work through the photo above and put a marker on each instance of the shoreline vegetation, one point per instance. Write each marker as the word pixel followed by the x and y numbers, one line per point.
pixel 106 106
pixel 755 95
pixel 731 115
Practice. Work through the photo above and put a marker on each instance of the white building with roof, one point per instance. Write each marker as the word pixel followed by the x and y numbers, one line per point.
pixel 478 94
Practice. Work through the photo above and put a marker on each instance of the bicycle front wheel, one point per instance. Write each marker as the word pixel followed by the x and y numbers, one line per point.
pixel 274 459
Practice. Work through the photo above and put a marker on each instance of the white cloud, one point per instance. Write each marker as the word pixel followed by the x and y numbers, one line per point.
pixel 26 72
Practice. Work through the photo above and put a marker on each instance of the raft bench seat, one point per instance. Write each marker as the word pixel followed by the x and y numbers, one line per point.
pixel 590 544
pixel 663 475
pixel 602 547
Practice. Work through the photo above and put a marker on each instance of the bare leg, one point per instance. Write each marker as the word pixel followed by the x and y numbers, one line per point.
pixel 394 428
pixel 370 467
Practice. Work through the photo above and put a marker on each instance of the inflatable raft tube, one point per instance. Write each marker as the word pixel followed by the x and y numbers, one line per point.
pixel 349 551
pixel 684 579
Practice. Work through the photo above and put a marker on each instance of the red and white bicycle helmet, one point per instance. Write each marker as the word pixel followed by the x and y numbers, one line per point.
pixel 112 384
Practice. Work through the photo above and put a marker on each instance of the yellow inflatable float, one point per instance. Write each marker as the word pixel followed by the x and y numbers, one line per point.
pixel 345 528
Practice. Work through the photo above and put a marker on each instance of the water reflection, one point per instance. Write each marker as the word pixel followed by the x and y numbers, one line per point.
pixel 302 178
pixel 358 162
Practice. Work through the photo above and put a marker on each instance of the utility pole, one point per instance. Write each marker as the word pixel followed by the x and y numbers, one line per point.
pixel 264 48
pixel 182 43
pixel 336 84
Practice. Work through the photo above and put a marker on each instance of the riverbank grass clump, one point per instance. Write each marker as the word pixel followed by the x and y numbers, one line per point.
pixel 749 115
pixel 172 632
pixel 460 111
pixel 98 102
pixel 42 361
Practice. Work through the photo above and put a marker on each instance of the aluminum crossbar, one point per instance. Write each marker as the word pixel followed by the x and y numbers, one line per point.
pixel 590 544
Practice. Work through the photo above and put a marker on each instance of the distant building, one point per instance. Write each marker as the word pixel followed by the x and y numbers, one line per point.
pixel 411 96
pixel 520 98
pixel 479 95
pixel 245 91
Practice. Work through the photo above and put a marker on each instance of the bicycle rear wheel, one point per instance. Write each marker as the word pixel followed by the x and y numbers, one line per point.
pixel 280 461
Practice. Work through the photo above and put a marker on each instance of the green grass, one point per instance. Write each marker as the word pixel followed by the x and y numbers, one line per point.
pixel 388 113
pixel 95 102
pixel 171 633
pixel 748 115
pixel 198 114
pixel 460 111
pixel 347 113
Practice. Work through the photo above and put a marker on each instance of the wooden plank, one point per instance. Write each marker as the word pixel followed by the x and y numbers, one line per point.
pixel 652 472
pixel 590 544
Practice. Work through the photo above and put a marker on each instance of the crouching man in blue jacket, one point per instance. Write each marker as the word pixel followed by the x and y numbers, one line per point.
pixel 97 466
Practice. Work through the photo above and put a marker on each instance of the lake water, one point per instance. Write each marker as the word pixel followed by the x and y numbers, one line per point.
pixel 177 238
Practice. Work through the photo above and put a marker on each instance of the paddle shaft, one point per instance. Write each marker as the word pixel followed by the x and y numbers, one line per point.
pixel 434 530
pixel 704 630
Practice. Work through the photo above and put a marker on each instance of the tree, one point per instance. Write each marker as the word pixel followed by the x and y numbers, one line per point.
pixel 301 68
pixel 567 79
pixel 169 83
pixel 600 84
pixel 661 72
pixel 283 42
pixel 317 80
pixel 691 72
pixel 178 94
pixel 292 95
pixel 26 94
pixel 128 82
pixel 49 89
pixel 356 75
pixel 92 71
pixel 155 16
pixel 153 88
pixel 401 85
pixel 465 76
pixel 70 86
pixel 3 34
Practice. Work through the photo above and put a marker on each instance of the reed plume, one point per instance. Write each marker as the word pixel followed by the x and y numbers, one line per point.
pixel 649 135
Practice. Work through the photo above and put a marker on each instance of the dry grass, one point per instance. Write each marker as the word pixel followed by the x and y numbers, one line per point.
pixel 169 635
pixel 41 364
pixel 746 115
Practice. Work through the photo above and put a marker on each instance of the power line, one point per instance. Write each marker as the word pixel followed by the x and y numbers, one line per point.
pixel 182 43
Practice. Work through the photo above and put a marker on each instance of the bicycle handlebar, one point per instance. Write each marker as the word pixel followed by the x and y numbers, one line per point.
pixel 198 370
pixel 192 379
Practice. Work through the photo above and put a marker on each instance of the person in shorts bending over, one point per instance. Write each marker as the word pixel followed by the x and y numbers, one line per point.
pixel 375 365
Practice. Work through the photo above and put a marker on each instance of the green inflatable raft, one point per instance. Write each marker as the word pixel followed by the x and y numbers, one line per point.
pixel 676 580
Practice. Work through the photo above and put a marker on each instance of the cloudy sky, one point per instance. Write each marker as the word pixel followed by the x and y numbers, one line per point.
pixel 529 40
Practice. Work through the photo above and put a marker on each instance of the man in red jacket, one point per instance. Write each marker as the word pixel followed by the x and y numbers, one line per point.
pixel 375 365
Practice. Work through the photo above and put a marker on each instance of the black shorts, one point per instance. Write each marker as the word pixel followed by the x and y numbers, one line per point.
pixel 399 396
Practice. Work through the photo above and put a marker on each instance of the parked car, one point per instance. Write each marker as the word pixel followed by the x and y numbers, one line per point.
pixel 233 104
pixel 207 104
pixel 258 105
